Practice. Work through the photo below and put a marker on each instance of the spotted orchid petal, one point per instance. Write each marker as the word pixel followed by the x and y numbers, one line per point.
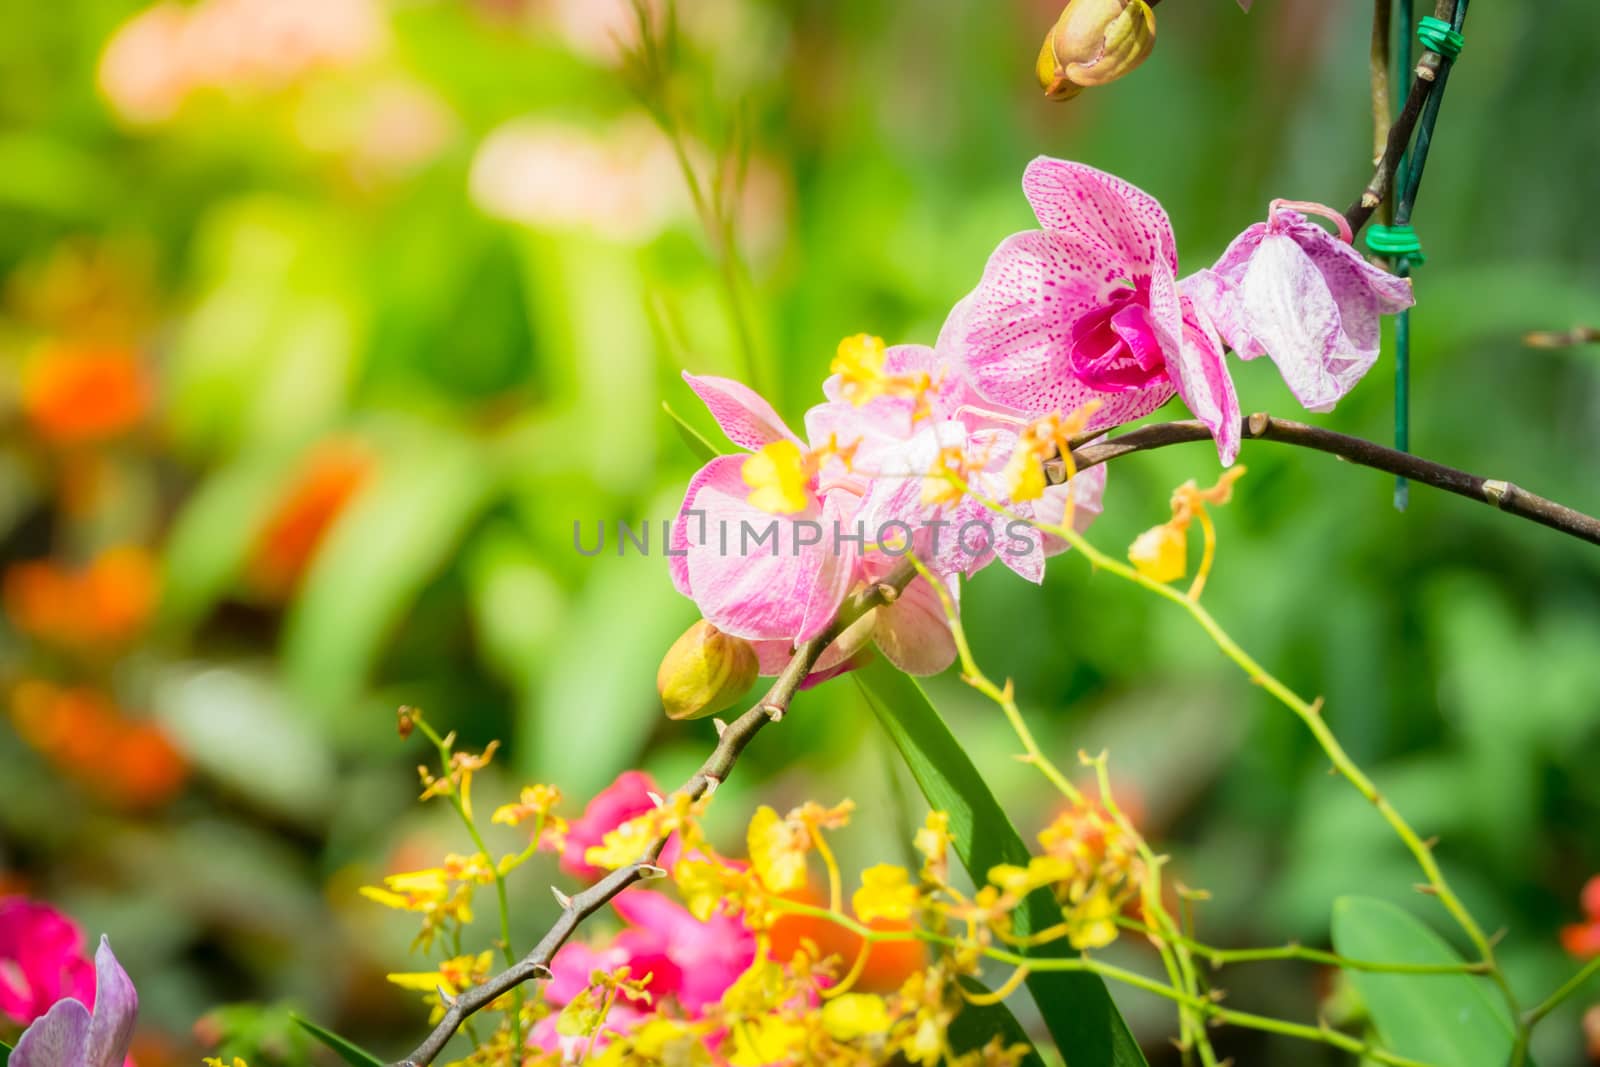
pixel 742 413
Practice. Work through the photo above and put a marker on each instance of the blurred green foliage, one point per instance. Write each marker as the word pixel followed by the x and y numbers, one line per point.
pixel 455 243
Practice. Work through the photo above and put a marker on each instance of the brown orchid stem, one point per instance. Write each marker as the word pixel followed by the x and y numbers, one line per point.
pixel 1426 73
pixel 1503 495
pixel 1378 63
pixel 731 742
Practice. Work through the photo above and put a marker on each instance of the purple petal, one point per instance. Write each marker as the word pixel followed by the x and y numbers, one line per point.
pixel 58 1038
pixel 1218 296
pixel 747 418
pixel 116 1006
pixel 1112 221
pixel 1293 315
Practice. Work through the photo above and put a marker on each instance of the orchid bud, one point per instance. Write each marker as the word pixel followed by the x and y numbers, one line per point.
pixel 1095 42
pixel 704 672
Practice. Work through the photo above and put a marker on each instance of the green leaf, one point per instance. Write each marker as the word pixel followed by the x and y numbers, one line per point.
pixel 5 1053
pixel 1076 1006
pixel 348 1051
pixel 704 450
pixel 1435 1018
pixel 394 537
pixel 975 1024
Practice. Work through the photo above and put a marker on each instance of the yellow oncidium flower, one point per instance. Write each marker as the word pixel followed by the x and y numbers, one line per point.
pixel 1161 553
pixel 212 1061
pixel 853 1016
pixel 631 841
pixel 933 842
pixel 535 801
pixel 859 365
pixel 778 846
pixel 458 779
pixel 778 850
pixel 779 477
pixel 886 893
pixel 1041 440
pixel 946 482
pixel 453 976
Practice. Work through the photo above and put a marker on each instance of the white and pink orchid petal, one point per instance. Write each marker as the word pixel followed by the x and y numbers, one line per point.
pixel 1201 376
pixel 1120 225
pixel 742 413
pixel 1293 315
pixel 1017 338
pixel 913 633
pixel 757 575
pixel 58 1038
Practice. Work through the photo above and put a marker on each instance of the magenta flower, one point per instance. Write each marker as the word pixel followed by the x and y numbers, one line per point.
pixel 1290 289
pixel 1089 309
pixel 625 798
pixel 41 960
pixel 690 962
pixel 69 1035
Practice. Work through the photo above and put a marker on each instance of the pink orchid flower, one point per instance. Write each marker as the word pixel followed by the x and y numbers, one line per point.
pixel 778 594
pixel 690 962
pixel 70 1035
pixel 1089 308
pixel 625 798
pixel 41 960
pixel 1290 289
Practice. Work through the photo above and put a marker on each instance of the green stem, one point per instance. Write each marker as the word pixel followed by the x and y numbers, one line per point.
pixel 1571 986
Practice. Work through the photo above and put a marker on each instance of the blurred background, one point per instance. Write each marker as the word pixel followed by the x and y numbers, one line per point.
pixel 323 321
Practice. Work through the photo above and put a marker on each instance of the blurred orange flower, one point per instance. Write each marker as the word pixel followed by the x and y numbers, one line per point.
pixel 78 394
pixel 328 477
pixel 127 762
pixel 1583 939
pixel 889 963
pixel 102 605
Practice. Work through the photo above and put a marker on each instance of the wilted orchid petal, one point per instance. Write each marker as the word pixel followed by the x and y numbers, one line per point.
pixel 1290 289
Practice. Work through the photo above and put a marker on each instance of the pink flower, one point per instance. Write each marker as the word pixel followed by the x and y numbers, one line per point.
pixel 1089 308
pixel 625 798
pixel 690 962
pixel 782 588
pixel 41 960
pixel 1289 288
pixel 69 1035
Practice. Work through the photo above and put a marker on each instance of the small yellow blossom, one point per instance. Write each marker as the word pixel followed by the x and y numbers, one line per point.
pixel 632 841
pixel 212 1061
pixel 536 801
pixel 856 1015
pixel 859 365
pixel 778 846
pixel 779 476
pixel 946 482
pixel 1161 553
pixel 886 893
pixel 933 842
pixel 458 779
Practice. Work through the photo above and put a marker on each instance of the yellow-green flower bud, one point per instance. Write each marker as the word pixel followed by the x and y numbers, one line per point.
pixel 1094 42
pixel 704 672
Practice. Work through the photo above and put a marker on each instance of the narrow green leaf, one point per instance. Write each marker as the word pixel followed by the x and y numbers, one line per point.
pixel 975 1025
pixel 351 1053
pixel 1076 1006
pixel 1435 1018
pixel 704 450
pixel 5 1053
